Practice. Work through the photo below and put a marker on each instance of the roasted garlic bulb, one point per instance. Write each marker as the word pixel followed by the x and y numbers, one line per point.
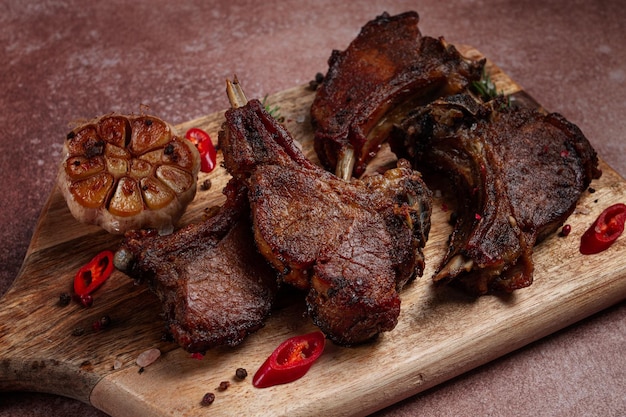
pixel 128 172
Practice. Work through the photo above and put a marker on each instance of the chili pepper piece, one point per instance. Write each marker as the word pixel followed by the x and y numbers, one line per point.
pixel 290 361
pixel 202 140
pixel 94 273
pixel 604 231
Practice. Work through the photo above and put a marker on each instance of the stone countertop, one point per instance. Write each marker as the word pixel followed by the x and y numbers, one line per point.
pixel 72 60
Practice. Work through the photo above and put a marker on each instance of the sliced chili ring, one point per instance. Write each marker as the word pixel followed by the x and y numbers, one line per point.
pixel 202 140
pixel 290 361
pixel 604 231
pixel 94 273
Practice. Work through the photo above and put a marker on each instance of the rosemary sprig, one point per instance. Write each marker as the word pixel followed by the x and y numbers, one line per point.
pixel 273 111
pixel 485 88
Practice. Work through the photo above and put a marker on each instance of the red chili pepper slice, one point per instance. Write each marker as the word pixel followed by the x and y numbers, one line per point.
pixel 93 274
pixel 290 361
pixel 604 231
pixel 202 140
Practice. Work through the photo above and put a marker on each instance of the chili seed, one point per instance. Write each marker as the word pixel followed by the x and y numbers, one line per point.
pixel 64 299
pixel 71 135
pixel 208 398
pixel 148 122
pixel 141 370
pixel 241 374
pixel 591 190
pixel 169 149
pixel 223 386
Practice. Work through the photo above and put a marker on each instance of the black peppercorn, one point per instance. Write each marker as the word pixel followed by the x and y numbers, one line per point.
pixel 208 398
pixel 205 185
pixel 241 374
pixel 64 299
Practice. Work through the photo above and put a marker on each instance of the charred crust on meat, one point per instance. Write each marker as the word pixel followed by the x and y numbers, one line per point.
pixel 345 243
pixel 521 170
pixel 214 287
pixel 369 86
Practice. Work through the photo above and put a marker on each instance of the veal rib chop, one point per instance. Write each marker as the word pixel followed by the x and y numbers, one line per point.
pixel 214 286
pixel 351 245
pixel 386 70
pixel 518 174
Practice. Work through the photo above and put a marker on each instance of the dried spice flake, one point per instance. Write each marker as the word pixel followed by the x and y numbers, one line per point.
pixel 78 331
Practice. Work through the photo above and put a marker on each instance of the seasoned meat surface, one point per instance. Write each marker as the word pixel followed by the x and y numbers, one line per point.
pixel 518 174
pixel 214 286
pixel 386 70
pixel 350 245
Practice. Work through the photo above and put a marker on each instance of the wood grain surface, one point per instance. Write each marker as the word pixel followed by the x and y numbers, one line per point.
pixel 440 334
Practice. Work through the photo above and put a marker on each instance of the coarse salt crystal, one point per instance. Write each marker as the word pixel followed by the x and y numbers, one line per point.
pixel 148 357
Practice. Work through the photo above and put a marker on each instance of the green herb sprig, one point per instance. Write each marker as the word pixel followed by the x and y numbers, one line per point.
pixel 485 88
pixel 273 111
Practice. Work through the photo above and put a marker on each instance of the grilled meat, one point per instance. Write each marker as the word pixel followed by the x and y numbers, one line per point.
pixel 214 285
pixel 518 174
pixel 388 69
pixel 350 245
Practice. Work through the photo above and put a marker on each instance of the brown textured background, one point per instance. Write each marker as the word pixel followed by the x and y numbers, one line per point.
pixel 64 61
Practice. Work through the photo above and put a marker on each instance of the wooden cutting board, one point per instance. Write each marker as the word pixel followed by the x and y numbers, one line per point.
pixel 440 334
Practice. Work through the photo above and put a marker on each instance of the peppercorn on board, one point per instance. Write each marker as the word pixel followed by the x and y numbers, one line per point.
pixel 440 334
